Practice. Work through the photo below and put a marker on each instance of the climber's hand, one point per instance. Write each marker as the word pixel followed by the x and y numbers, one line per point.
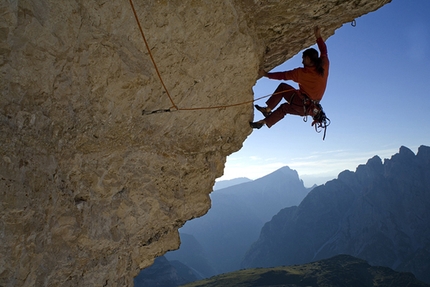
pixel 317 32
pixel 262 73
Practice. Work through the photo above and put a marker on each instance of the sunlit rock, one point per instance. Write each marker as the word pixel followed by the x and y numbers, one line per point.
pixel 91 190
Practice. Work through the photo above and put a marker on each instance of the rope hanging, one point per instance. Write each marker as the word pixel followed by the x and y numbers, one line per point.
pixel 320 120
pixel 174 106
pixel 150 54
pixel 144 112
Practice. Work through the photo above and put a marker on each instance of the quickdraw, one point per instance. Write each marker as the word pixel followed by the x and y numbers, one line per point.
pixel 144 112
pixel 320 120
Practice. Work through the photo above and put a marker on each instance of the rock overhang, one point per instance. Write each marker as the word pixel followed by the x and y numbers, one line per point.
pixel 88 183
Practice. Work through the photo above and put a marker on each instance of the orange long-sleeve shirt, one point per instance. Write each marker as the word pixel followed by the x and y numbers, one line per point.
pixel 310 82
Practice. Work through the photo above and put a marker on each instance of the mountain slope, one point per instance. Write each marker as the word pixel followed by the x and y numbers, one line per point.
pixel 166 274
pixel 339 271
pixel 192 254
pixel 227 183
pixel 379 213
pixel 237 215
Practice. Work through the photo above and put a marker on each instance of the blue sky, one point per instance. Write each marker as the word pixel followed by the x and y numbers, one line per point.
pixel 377 98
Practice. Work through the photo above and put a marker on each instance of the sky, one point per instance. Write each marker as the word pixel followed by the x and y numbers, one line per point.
pixel 377 98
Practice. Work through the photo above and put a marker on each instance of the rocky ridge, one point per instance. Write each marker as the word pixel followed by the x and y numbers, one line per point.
pixel 91 191
pixel 378 213
pixel 338 271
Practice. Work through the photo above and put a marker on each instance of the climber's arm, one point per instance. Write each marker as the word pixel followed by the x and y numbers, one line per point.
pixel 317 31
pixel 287 75
pixel 320 42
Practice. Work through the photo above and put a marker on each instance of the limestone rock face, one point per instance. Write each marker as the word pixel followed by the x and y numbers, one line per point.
pixel 91 190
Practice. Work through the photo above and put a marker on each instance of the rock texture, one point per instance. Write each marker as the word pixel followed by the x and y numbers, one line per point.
pixel 90 190
pixel 378 213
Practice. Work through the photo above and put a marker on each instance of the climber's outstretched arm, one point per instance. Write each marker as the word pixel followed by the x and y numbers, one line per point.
pixel 320 42
pixel 317 31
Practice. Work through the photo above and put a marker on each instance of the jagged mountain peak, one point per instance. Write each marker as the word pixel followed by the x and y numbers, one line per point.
pixel 423 155
pixel 378 213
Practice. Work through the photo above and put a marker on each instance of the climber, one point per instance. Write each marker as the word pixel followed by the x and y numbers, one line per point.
pixel 312 80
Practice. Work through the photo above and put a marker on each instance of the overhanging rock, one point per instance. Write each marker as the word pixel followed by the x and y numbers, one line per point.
pixel 91 190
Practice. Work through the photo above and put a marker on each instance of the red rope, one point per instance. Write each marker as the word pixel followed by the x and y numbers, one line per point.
pixel 150 54
pixel 165 88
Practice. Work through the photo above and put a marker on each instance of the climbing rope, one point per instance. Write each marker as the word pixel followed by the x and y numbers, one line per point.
pixel 320 121
pixel 174 106
pixel 144 112
pixel 150 54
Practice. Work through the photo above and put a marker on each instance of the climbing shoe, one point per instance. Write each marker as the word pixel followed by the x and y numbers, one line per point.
pixel 263 111
pixel 256 125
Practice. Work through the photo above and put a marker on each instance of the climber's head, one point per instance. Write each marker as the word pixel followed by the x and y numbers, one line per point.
pixel 310 59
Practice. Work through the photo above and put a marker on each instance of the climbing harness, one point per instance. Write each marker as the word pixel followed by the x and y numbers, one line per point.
pixel 314 109
pixel 320 120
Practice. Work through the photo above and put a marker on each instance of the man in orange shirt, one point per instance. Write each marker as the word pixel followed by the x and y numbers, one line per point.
pixel 312 80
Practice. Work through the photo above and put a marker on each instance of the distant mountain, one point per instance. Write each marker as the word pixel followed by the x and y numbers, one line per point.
pixel 165 274
pixel 265 196
pixel 192 254
pixel 380 213
pixel 227 183
pixel 237 215
pixel 339 271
